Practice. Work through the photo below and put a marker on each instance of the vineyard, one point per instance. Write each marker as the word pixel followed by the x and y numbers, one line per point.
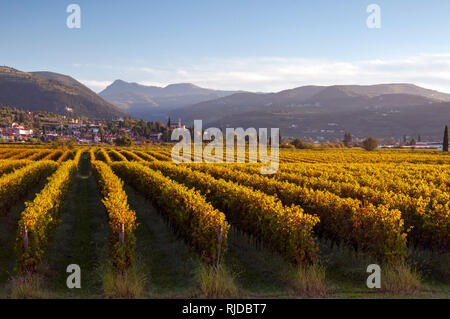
pixel 141 225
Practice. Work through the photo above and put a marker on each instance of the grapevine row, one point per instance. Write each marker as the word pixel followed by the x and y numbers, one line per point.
pixel 375 230
pixel 193 218
pixel 427 216
pixel 7 166
pixel 40 217
pixel 119 214
pixel 16 185
pixel 287 229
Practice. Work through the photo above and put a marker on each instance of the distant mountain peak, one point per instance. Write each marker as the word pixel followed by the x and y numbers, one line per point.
pixel 118 81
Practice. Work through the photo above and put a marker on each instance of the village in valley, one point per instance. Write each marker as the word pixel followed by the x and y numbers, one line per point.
pixel 27 126
pixel 46 127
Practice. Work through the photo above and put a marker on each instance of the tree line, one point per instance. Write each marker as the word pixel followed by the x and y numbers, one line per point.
pixel 370 143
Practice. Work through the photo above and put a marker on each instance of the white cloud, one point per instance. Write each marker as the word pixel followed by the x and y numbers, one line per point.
pixel 152 83
pixel 96 85
pixel 269 74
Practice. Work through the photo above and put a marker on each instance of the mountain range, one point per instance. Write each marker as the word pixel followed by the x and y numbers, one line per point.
pixel 155 103
pixel 383 110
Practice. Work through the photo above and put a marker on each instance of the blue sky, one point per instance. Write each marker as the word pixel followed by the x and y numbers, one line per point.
pixel 230 44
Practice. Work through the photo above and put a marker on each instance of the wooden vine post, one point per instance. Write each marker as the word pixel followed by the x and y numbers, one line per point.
pixel 25 238
pixel 219 237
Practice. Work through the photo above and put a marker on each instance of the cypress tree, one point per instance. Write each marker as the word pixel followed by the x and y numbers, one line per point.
pixel 445 143
pixel 348 139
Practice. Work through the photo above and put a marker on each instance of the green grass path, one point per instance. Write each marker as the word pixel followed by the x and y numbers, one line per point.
pixel 168 263
pixel 81 237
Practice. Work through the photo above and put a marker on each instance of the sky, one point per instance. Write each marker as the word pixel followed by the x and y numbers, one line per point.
pixel 255 45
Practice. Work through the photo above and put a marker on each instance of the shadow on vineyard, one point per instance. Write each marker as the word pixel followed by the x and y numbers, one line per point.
pixel 172 268
pixel 426 271
pixel 433 266
pixel 169 264
pixel 258 271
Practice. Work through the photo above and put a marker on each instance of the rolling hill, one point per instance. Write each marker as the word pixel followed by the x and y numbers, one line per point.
pixel 382 110
pixel 53 92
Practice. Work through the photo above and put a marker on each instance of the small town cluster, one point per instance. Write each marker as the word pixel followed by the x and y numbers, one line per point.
pixel 30 126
